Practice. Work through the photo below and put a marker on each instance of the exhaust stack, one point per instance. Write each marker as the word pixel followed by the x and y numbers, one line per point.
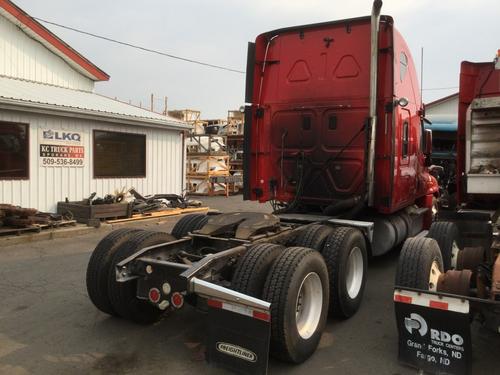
pixel 375 20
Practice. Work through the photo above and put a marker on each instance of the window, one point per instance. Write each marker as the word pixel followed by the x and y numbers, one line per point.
pixel 405 139
pixel 422 136
pixel 14 151
pixel 119 154
pixel 403 66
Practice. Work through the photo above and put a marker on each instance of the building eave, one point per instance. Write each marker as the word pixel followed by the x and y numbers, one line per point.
pixel 40 33
pixel 441 100
pixel 47 109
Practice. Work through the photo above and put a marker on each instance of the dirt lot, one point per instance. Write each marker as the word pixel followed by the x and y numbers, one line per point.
pixel 49 326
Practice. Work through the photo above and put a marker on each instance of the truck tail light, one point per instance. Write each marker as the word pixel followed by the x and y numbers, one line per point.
pixel 154 295
pixel 177 300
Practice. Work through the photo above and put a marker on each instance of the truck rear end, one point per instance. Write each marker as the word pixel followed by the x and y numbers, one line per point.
pixel 334 120
pixel 479 133
pixel 309 87
pixel 452 275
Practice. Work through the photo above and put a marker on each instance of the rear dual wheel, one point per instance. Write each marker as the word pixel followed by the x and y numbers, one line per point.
pixel 295 282
pixel 297 288
pixel 313 236
pixel 99 268
pixel 110 296
pixel 123 295
pixel 188 224
pixel 447 236
pixel 345 253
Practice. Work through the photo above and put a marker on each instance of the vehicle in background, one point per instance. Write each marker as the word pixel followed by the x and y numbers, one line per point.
pixel 452 274
pixel 444 156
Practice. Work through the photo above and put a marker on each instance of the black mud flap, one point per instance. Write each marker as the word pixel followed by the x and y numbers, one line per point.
pixel 434 332
pixel 238 337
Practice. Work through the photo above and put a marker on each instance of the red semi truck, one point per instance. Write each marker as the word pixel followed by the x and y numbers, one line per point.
pixel 334 139
pixel 442 285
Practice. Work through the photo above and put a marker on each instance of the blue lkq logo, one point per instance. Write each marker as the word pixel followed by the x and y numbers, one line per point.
pixel 48 134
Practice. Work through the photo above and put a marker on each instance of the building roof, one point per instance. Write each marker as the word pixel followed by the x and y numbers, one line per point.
pixel 440 100
pixel 442 126
pixel 40 33
pixel 39 97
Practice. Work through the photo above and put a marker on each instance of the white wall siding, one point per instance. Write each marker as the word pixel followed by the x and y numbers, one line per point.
pixel 445 111
pixel 48 185
pixel 25 58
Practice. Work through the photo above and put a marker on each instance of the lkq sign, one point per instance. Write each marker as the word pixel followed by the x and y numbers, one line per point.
pixel 61 148
pixel 61 136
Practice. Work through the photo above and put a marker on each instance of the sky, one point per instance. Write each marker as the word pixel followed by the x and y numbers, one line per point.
pixel 217 32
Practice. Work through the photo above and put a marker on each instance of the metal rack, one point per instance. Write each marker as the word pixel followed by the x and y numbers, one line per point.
pixel 206 158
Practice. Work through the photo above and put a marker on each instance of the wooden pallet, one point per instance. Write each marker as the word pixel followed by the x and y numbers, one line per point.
pixel 36 228
pixel 159 214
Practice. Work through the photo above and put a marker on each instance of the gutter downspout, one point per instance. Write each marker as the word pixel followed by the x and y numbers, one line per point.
pixel 370 172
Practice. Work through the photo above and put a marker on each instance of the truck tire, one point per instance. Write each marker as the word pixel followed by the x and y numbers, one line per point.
pixel 346 258
pixel 313 236
pixel 297 288
pixel 123 294
pixel 419 264
pixel 188 224
pixel 99 268
pixel 252 269
pixel 447 236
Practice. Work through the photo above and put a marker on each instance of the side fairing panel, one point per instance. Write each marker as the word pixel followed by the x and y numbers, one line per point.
pixel 409 173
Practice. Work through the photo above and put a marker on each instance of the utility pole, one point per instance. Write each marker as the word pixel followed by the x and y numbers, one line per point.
pixel 152 102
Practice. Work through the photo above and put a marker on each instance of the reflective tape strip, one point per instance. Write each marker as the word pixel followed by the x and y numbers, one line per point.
pixel 239 309
pixel 439 305
pixel 401 298
pixel 432 301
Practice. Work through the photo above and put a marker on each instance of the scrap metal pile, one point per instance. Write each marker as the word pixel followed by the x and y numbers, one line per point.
pixel 19 217
pixel 142 204
pixel 160 202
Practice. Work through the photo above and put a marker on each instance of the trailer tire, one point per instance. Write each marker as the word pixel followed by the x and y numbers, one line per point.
pixel 252 269
pixel 188 224
pixel 313 236
pixel 420 262
pixel 123 294
pixel 447 236
pixel 346 258
pixel 298 279
pixel 99 268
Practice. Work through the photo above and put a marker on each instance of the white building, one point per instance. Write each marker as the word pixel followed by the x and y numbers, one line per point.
pixel 443 110
pixel 59 139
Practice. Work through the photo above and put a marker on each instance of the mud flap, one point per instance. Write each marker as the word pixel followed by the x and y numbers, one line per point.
pixel 238 337
pixel 434 332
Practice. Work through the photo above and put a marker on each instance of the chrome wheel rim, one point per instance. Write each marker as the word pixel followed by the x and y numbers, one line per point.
pixel 309 305
pixel 354 275
pixel 434 276
pixel 454 254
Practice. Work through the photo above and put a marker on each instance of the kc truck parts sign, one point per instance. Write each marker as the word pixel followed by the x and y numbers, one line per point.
pixel 434 332
pixel 61 148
